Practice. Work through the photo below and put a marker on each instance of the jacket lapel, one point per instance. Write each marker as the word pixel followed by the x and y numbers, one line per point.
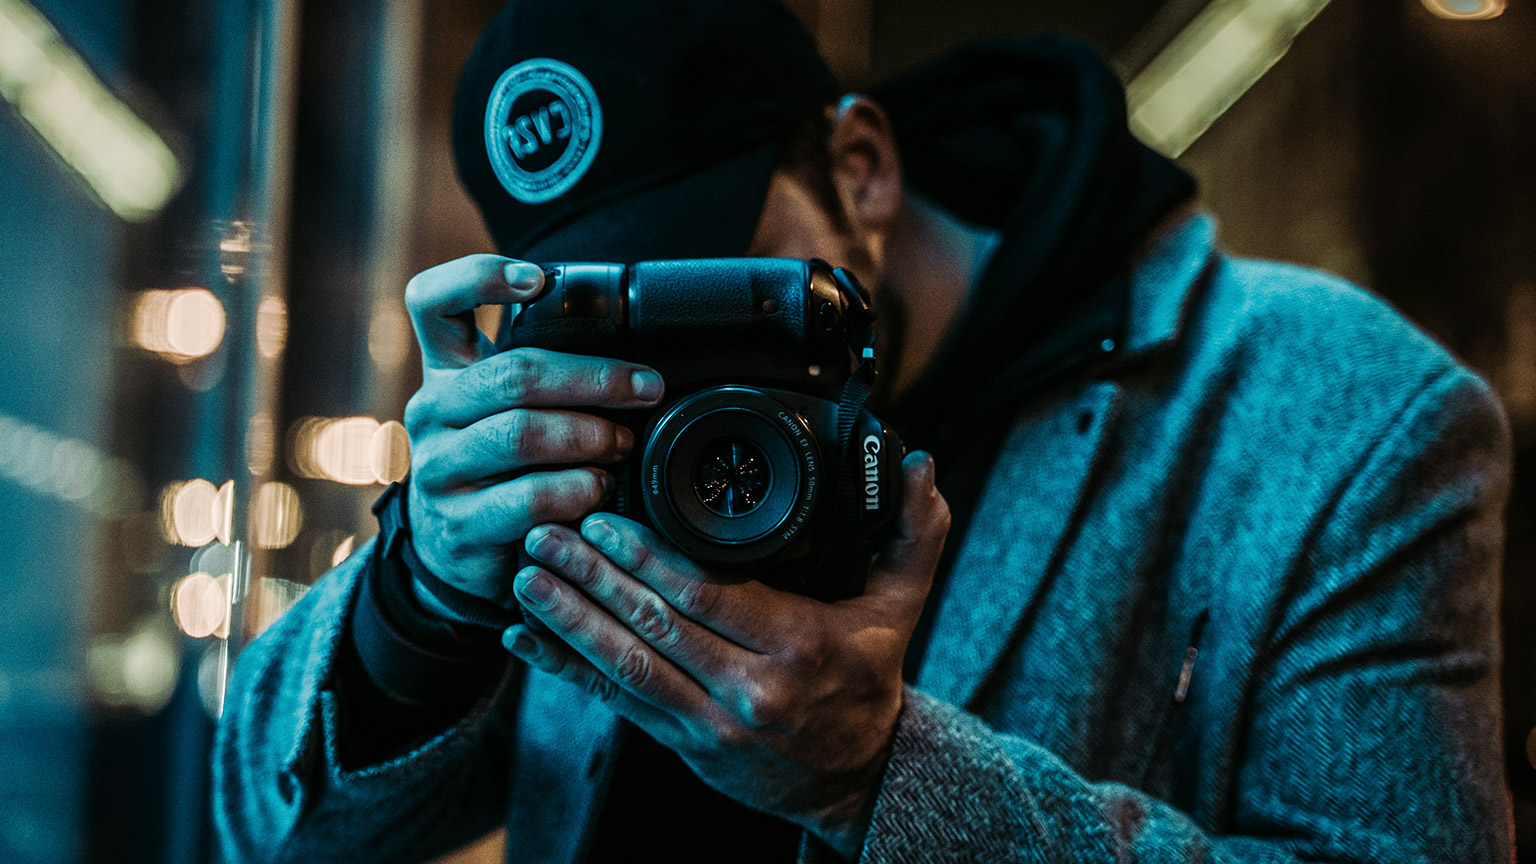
pixel 565 748
pixel 1043 469
pixel 1025 511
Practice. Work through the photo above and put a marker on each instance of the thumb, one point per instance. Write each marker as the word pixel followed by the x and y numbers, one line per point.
pixel 903 573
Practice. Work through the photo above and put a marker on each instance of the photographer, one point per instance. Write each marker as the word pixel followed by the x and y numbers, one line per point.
pixel 1221 577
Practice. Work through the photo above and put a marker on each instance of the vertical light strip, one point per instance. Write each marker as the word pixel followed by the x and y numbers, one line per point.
pixel 117 154
pixel 276 98
pixel 1209 65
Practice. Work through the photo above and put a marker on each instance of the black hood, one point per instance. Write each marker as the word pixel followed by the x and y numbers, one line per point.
pixel 1026 136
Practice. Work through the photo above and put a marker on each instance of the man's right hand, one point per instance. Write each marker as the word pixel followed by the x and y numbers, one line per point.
pixel 491 439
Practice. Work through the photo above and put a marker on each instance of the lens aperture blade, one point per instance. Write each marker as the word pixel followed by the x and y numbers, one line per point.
pixel 732 477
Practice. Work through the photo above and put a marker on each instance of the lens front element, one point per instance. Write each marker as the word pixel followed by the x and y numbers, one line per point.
pixel 732 477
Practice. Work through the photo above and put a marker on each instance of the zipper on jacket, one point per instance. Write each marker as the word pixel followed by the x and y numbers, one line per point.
pixel 1187 671
pixel 1166 727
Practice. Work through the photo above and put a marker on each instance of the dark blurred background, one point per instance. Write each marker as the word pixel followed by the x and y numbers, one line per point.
pixel 209 209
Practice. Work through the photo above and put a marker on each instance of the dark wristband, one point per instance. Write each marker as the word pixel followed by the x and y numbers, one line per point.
pixel 410 654
pixel 394 524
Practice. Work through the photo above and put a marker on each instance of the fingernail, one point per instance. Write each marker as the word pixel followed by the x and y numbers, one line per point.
pixel 545 546
pixel 540 591
pixel 647 385
pixel 521 274
pixel 626 440
pixel 522 644
pixel 600 533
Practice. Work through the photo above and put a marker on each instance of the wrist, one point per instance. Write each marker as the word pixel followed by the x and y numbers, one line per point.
pixel 428 603
pixel 423 590
pixel 843 831
pixel 843 824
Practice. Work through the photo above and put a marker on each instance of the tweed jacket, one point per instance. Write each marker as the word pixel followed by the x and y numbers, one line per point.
pixel 1232 596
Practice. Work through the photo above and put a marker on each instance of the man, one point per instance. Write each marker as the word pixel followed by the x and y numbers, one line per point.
pixel 1221 578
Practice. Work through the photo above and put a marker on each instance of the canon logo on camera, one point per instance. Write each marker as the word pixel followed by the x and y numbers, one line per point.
pixel 872 472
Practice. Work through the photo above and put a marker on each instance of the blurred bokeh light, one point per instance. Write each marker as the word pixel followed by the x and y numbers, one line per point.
pixel 200 604
pixel 1469 10
pixel 181 325
pixel 276 516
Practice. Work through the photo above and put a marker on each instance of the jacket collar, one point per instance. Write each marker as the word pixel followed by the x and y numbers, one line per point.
pixel 1163 280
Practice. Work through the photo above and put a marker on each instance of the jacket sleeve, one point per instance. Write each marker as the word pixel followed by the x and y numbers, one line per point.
pixel 1372 730
pixel 281 790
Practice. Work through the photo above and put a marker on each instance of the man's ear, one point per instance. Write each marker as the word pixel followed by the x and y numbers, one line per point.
pixel 866 167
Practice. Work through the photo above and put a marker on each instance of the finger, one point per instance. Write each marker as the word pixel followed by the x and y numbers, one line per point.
pixel 441 302
pixel 746 612
pixel 549 656
pixel 903 572
pixel 535 378
pixel 621 656
pixel 523 438
pixel 713 661
pixel 502 514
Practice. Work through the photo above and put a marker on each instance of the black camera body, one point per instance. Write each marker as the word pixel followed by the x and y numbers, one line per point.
pixel 761 458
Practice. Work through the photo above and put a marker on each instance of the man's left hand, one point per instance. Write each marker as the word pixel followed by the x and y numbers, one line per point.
pixel 784 703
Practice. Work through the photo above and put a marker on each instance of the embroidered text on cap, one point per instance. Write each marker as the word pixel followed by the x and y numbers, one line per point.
pixel 543 125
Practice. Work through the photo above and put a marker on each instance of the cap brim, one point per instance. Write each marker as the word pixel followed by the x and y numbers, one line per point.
pixel 711 213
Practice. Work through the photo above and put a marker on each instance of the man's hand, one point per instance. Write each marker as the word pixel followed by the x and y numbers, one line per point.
pixel 782 702
pixel 487 436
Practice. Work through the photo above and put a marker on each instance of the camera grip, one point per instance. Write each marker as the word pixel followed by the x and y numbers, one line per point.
pixel 722 299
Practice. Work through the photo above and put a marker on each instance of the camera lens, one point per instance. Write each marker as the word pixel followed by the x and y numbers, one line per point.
pixel 732 477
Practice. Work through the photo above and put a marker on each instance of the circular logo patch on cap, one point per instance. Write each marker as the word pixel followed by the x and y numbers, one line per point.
pixel 542 128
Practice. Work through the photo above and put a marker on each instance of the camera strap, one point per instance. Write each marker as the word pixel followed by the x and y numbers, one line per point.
pixel 835 569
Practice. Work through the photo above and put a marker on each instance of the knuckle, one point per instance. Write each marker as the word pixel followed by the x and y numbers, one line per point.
pixel 727 736
pixel 518 434
pixel 804 658
pixel 633 668
pixel 428 473
pixel 941 517
pixel 547 498
pixel 417 291
pixel 418 414
pixel 524 505
pixel 542 501
pixel 519 376
pixel 600 687
pixel 588 570
pixel 572 437
pixel 574 618
pixel 762 705
pixel 652 621
pixel 601 378
pixel 694 597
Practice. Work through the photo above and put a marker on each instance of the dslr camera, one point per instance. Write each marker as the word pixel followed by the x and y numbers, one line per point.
pixel 762 458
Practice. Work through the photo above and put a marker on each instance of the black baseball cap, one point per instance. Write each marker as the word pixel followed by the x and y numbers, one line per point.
pixel 629 130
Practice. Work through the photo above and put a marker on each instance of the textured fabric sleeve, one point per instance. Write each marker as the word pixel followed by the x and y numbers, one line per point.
pixel 281 790
pixel 1372 734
